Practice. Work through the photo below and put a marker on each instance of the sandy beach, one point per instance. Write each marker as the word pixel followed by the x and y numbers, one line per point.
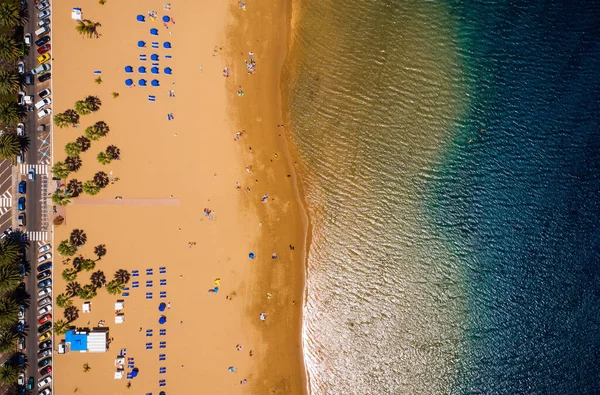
pixel 192 159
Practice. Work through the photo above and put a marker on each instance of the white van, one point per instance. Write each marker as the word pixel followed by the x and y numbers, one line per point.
pixel 42 31
pixel 43 103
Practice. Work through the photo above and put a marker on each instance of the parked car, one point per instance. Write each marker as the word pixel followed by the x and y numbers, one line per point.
pixel 21 314
pixel 44 248
pixel 21 68
pixel 44 382
pixel 21 204
pixel 44 275
pixel 43 49
pixel 44 58
pixel 43 103
pixel 41 41
pixel 41 69
pixel 45 336
pixel 45 391
pixel 45 257
pixel 44 327
pixel 45 309
pixel 20 156
pixel 31 174
pixel 45 362
pixel 44 283
pixel 46 371
pixel 44 113
pixel 28 79
pixel 45 319
pixel 22 187
pixel 45 266
pixel 44 292
pixel 20 129
pixel 43 22
pixel 44 93
pixel 44 353
pixel 21 219
pixel 44 77
pixel 43 5
pixel 30 383
pixel 45 344
pixel 28 39
pixel 44 14
pixel 21 343
pixel 21 379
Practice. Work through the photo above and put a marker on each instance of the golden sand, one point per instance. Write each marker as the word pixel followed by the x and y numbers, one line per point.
pixel 195 160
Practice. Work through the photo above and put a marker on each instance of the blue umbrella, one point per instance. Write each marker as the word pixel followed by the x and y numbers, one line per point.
pixel 128 69
pixel 168 70
pixel 166 18
pixel 155 83
pixel 161 307
pixel 140 18
pixel 154 32
pixel 142 82
pixel 154 70
pixel 251 255
pixel 154 57
pixel 142 70
pixel 135 372
pixel 162 320
pixel 129 82
pixel 167 44
pixel 141 44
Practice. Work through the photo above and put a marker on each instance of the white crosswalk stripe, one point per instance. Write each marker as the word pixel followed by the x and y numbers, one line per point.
pixel 4 210
pixel 39 169
pixel 37 236
pixel 5 200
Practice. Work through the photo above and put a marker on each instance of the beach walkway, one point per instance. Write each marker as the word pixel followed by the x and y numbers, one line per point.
pixel 127 202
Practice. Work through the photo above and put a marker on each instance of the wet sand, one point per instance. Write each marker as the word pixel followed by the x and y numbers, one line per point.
pixel 194 159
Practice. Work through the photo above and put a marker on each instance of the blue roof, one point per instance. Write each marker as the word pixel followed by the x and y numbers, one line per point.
pixel 78 341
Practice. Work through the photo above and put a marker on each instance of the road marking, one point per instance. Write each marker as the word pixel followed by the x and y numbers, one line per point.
pixel 5 201
pixel 39 169
pixel 36 236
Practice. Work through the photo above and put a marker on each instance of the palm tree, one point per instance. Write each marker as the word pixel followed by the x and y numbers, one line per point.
pixel 9 49
pixel 101 179
pixel 82 108
pixel 73 116
pixel 103 158
pixel 73 288
pixel 74 162
pixel 71 313
pixel 122 276
pixel 10 277
pixel 8 339
pixel 114 287
pixel 99 129
pixel 77 263
pixel 88 28
pixel 74 187
pixel 69 274
pixel 60 327
pixel 86 367
pixel 91 188
pixel 61 170
pixel 72 149
pixel 93 102
pixel 9 251
pixel 8 374
pixel 88 264
pixel 114 152
pixel 63 301
pixel 78 237
pixel 8 311
pixel 87 292
pixel 66 248
pixel 98 279
pixel 9 81
pixel 10 15
pixel 100 251
pixel 62 120
pixel 61 198
pixel 84 143
pixel 9 145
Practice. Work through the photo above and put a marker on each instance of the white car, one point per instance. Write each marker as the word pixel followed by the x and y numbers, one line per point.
pixel 44 248
pixel 43 103
pixel 44 301
pixel 44 93
pixel 44 113
pixel 31 172
pixel 20 129
pixel 45 391
pixel 44 22
pixel 44 382
pixel 21 379
pixel 28 39
pixel 45 257
pixel 45 310
pixel 45 291
pixel 43 5
pixel 44 14
pixel 21 68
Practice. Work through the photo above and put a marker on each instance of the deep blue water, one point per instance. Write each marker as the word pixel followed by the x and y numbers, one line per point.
pixel 520 196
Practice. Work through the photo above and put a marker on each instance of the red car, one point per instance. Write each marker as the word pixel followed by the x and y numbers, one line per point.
pixel 45 319
pixel 43 49
pixel 46 370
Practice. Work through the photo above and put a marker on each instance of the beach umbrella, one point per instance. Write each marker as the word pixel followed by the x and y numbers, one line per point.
pixel 155 83
pixel 154 57
pixel 154 70
pixel 167 44
pixel 166 19
pixel 135 372
pixel 141 44
pixel 154 32
pixel 129 82
pixel 251 255
pixel 168 70
pixel 162 320
pixel 128 69
pixel 162 307
pixel 142 82
pixel 162 393
pixel 141 18
pixel 142 70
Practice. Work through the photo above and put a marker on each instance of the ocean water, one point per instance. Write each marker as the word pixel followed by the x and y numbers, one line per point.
pixel 450 154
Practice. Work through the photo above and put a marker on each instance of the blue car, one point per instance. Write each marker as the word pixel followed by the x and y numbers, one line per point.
pixel 45 266
pixel 21 205
pixel 22 187
pixel 45 283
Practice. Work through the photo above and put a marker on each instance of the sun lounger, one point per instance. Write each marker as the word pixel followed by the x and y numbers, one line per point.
pixel 168 56
pixel 163 332
pixel 123 352
pixel 162 270
pixel 163 295
pixel 163 344
pixel 148 295
pixel 135 284
pixel 125 294
pixel 162 357
pixel 151 98
pixel 148 346
pixel 148 334
pixel 163 281
pixel 126 289
pixel 97 72
pixel 129 376
pixel 148 283
pixel 135 273
pixel 148 272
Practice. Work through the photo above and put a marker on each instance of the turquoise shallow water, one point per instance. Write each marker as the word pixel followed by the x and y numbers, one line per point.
pixel 450 156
